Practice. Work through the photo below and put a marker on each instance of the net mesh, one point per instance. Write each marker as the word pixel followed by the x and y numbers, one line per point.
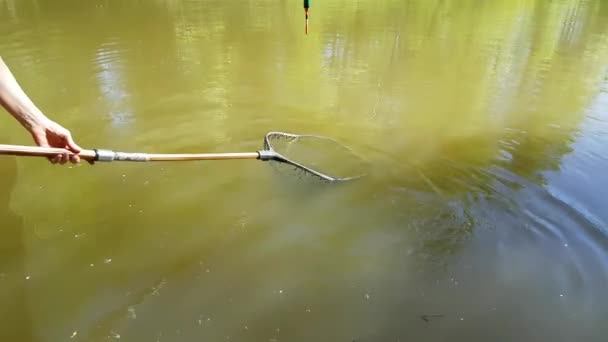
pixel 311 156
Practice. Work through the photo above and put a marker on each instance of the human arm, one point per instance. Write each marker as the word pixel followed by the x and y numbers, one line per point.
pixel 44 131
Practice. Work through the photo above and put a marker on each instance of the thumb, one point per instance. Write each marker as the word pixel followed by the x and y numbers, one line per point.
pixel 40 140
pixel 72 145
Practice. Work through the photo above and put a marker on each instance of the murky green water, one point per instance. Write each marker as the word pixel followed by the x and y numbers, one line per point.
pixel 483 216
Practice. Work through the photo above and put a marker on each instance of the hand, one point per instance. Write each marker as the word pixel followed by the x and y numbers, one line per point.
pixel 51 134
pixel 46 133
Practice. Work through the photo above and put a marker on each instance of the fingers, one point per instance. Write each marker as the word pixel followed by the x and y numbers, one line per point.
pixel 73 147
pixel 61 159
pixel 71 144
pixel 66 141
pixel 42 141
pixel 64 158
pixel 54 135
pixel 75 159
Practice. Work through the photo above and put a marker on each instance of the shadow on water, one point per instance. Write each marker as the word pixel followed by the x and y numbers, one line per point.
pixel 14 313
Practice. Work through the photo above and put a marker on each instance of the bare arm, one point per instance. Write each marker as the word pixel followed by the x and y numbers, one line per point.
pixel 44 131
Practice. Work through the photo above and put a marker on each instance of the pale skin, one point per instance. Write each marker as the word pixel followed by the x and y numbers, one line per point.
pixel 44 131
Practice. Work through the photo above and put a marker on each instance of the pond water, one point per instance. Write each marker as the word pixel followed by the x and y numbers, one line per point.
pixel 483 214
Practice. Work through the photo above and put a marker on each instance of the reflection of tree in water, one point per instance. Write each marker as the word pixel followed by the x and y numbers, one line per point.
pixel 536 123
pixel 542 113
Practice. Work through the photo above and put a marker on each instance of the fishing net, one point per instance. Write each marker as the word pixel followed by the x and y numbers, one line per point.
pixel 318 157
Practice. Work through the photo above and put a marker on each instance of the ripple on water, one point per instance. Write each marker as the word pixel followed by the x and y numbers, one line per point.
pixel 573 241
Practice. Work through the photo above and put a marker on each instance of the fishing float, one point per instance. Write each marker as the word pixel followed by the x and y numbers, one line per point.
pixel 306 9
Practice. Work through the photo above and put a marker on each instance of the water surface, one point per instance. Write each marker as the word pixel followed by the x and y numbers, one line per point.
pixel 483 216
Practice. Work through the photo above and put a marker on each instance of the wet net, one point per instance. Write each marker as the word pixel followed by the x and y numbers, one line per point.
pixel 313 157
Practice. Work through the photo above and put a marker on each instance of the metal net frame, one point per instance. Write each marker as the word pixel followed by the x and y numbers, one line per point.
pixel 270 154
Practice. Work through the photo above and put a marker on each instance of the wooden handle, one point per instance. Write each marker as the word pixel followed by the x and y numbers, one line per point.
pixel 106 155
pixel 203 156
pixel 36 151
